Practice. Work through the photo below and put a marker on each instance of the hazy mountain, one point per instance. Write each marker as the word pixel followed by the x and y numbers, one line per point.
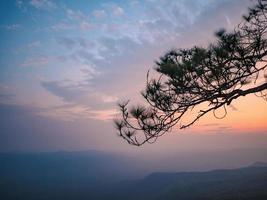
pixel 242 183
pixel 259 164
pixel 98 175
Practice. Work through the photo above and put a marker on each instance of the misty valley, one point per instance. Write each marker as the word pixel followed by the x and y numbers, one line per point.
pixel 97 175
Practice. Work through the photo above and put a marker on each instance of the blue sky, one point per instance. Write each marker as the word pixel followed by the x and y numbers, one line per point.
pixel 67 63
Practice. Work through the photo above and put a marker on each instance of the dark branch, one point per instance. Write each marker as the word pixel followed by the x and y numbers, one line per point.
pixel 216 75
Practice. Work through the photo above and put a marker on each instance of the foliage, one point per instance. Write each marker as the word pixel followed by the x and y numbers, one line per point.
pixel 216 75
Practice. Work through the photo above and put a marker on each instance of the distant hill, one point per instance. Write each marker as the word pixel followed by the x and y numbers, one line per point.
pixel 99 176
pixel 243 183
pixel 259 164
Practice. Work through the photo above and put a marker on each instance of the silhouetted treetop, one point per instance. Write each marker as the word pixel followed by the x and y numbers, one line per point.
pixel 213 76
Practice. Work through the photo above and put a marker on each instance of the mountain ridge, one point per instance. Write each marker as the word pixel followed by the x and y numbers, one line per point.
pixel 90 175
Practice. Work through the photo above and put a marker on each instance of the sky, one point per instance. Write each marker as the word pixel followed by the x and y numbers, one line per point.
pixel 64 65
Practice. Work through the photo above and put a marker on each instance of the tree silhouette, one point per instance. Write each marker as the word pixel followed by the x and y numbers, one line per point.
pixel 213 76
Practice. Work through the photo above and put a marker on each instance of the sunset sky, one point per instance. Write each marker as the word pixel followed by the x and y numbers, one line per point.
pixel 65 64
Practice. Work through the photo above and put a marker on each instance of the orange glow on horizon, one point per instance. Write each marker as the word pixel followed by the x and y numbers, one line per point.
pixel 245 115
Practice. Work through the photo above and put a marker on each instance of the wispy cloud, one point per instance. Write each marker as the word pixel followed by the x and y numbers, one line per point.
pixel 12 27
pixel 117 11
pixel 62 27
pixel 72 112
pixel 80 92
pixel 19 3
pixel 108 114
pixel 221 129
pixel 86 26
pixel 67 42
pixel 66 112
pixel 6 94
pixel 37 61
pixel 75 42
pixel 34 44
pixel 79 19
pixel 6 97
pixel 43 4
pixel 211 125
pixel 80 100
pixel 76 15
pixel 99 13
